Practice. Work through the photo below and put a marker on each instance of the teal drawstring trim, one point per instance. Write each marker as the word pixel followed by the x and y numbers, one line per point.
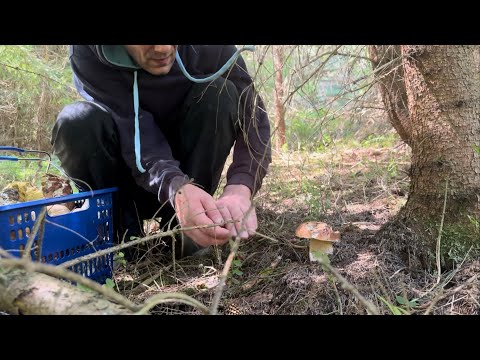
pixel 219 72
pixel 137 125
pixel 189 77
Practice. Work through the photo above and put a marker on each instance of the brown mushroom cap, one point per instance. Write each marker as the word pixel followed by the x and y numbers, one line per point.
pixel 317 230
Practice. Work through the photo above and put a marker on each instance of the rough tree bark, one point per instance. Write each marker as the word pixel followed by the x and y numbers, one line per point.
pixel 279 96
pixel 27 293
pixel 442 86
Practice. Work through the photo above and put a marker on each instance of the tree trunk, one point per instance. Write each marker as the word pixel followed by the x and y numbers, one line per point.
pixel 443 90
pixel 27 293
pixel 279 96
pixel 387 64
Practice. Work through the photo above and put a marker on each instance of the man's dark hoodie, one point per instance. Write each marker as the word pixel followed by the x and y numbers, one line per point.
pixel 105 74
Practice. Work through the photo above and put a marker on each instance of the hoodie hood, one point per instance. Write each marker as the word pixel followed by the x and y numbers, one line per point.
pixel 117 56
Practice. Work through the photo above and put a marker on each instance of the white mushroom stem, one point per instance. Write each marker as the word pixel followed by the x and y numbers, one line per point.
pixel 319 246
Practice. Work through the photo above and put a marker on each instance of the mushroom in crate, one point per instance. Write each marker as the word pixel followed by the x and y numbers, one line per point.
pixel 321 238
pixel 20 191
pixel 55 186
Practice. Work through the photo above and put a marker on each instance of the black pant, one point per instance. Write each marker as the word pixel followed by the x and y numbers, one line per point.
pixel 201 135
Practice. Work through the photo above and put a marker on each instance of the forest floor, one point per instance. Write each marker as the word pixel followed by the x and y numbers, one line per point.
pixel 355 191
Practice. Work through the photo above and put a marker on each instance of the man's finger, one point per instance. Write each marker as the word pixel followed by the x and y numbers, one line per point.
pixel 238 216
pixel 212 231
pixel 203 239
pixel 251 221
pixel 211 210
pixel 228 219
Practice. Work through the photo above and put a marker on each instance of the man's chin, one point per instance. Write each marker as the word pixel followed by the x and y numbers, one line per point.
pixel 159 71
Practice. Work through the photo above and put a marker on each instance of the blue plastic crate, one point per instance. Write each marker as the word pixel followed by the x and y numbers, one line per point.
pixel 68 236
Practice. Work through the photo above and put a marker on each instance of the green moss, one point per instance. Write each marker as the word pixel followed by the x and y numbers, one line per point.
pixel 190 291
pixel 459 242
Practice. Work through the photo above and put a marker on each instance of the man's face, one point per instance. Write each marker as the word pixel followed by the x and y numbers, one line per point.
pixel 156 59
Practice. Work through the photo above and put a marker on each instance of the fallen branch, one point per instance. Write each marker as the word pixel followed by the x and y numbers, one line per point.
pixel 27 293
pixel 33 288
pixel 58 272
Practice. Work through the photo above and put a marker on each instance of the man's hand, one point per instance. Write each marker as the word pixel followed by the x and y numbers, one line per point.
pixel 235 204
pixel 195 207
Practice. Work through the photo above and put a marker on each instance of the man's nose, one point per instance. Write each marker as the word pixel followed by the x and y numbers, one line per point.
pixel 162 48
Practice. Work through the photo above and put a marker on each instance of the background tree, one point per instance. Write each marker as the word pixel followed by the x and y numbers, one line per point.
pixel 278 96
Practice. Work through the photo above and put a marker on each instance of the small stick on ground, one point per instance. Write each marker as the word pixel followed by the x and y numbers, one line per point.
pixel 371 309
pixel 437 252
pixel 171 297
pixel 257 279
pixel 223 277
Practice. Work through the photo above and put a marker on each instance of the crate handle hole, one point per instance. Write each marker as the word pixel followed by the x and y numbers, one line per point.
pixel 26 217
pixel 34 216
pixel 82 205
pixel 22 248
pixel 11 220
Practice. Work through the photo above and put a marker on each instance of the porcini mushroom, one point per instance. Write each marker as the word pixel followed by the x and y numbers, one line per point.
pixel 321 237
pixel 57 209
